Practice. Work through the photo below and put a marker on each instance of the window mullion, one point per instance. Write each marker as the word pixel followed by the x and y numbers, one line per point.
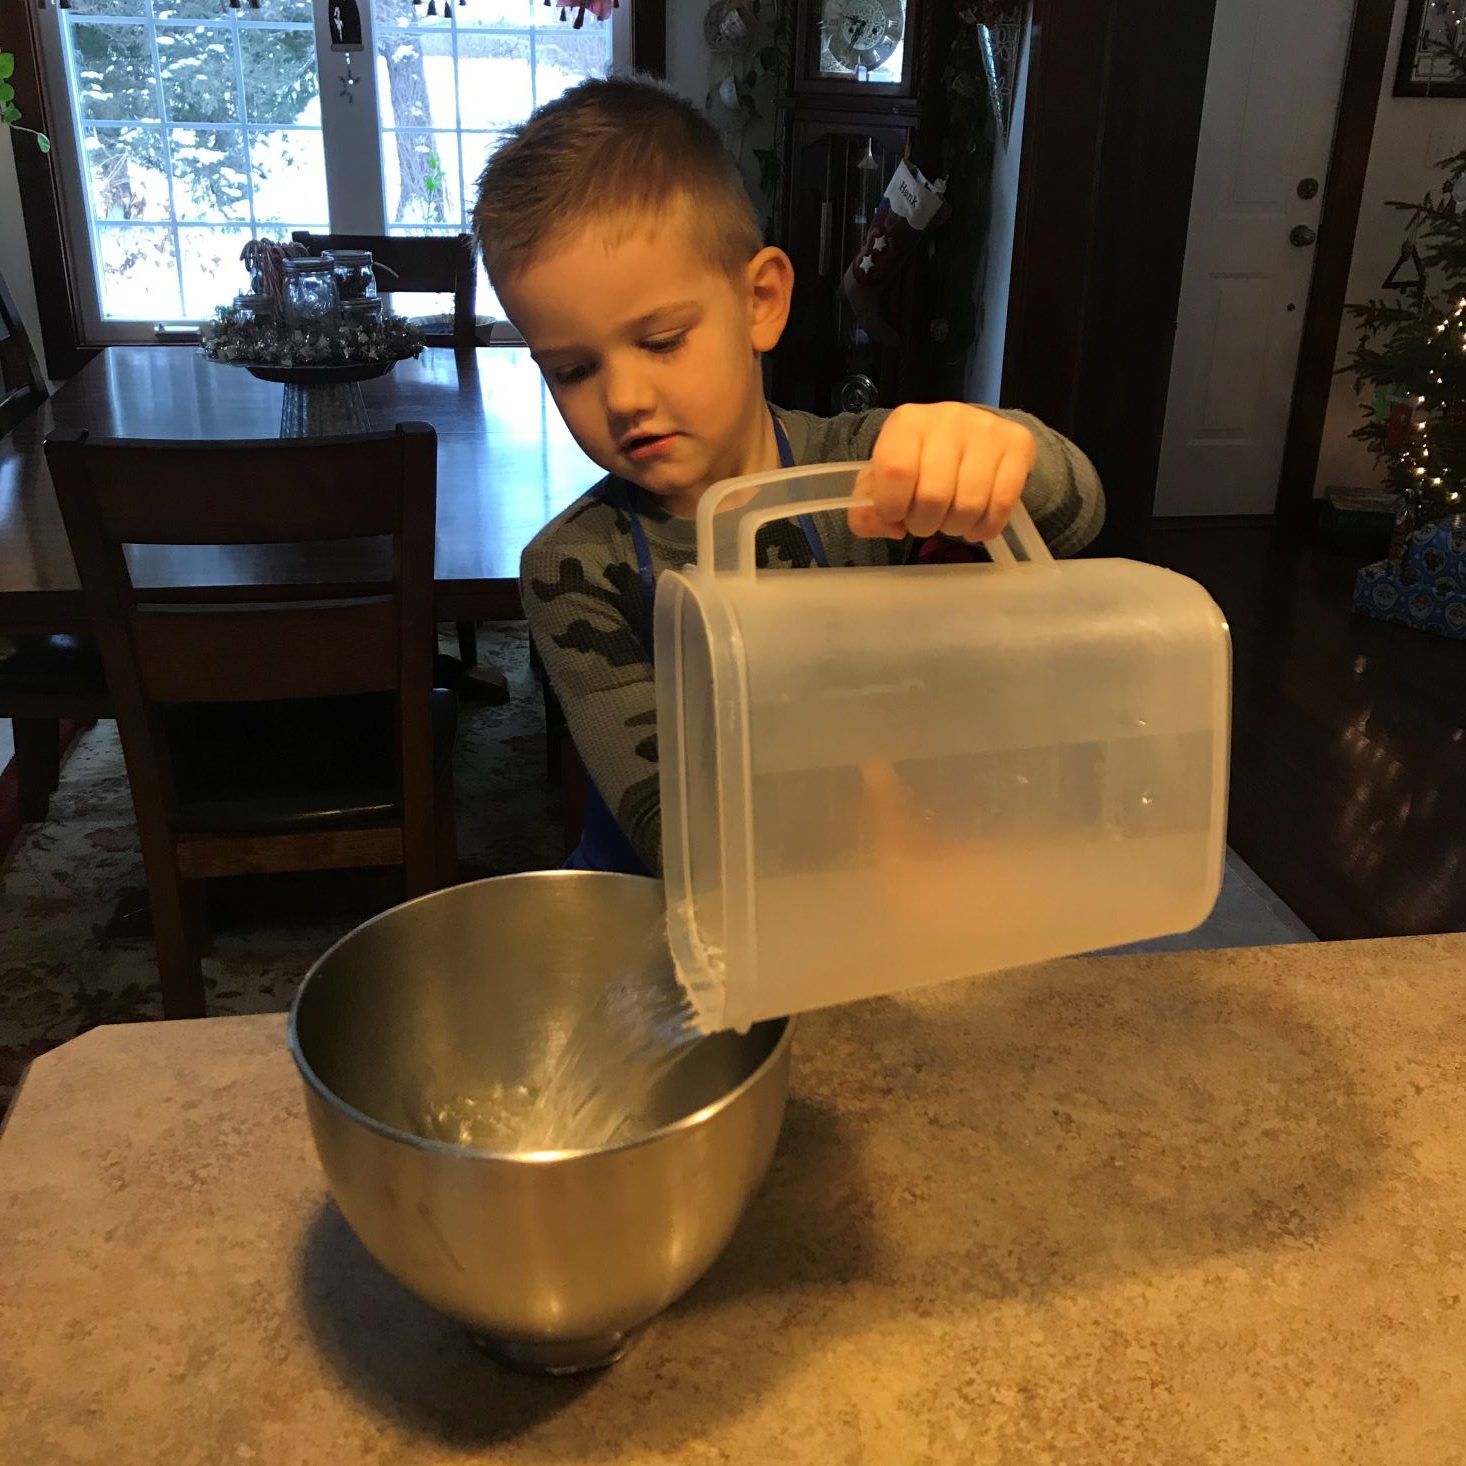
pixel 152 25
pixel 245 134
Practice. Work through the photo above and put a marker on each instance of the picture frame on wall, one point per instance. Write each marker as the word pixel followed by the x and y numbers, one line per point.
pixel 1433 28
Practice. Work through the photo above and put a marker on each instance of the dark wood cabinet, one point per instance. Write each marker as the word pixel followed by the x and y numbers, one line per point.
pixel 839 164
pixel 839 140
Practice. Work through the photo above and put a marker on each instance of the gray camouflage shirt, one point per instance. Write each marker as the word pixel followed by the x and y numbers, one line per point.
pixel 583 598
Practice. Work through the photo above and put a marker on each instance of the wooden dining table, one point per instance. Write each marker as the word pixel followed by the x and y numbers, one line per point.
pixel 506 465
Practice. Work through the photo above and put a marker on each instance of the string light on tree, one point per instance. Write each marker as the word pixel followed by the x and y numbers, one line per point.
pixel 1411 352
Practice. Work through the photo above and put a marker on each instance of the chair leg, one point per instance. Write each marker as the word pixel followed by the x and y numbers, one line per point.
pixel 555 735
pixel 179 970
pixel 572 793
pixel 445 833
pixel 37 763
pixel 468 643
pixel 194 897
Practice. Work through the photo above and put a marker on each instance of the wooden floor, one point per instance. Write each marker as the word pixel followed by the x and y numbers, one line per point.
pixel 1349 738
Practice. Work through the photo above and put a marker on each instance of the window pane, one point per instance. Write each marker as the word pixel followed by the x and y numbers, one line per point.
pixel 280 83
pixel 126 173
pixel 138 272
pixel 115 78
pixel 276 10
pixel 222 167
pixel 423 185
pixel 138 8
pixel 189 9
pixel 386 13
pixel 209 174
pixel 212 272
pixel 197 64
pixel 500 58
pixel 289 172
pixel 478 147
pixel 567 57
pixel 494 80
pixel 498 12
pixel 415 77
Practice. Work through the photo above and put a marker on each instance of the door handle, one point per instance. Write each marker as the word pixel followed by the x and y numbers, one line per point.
pixel 1301 236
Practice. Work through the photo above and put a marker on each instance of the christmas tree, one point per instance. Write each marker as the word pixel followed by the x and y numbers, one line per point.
pixel 1412 351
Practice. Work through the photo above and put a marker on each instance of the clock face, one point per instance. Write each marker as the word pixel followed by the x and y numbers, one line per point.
pixel 862 38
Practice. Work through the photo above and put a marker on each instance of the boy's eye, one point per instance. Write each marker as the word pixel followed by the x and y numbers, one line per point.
pixel 666 343
pixel 569 376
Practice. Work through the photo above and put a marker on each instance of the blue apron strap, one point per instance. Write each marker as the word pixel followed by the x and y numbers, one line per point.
pixel 806 521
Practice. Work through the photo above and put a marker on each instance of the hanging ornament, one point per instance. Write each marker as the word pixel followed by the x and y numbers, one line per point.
pixel 1408 272
pixel 601 9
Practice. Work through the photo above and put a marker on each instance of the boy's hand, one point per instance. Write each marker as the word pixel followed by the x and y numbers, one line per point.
pixel 944 467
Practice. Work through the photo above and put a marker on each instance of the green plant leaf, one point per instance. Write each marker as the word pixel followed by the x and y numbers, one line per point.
pixel 43 142
pixel 9 113
pixel 7 65
pixel 7 92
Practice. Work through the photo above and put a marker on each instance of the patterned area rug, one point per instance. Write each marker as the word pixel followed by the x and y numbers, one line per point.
pixel 62 971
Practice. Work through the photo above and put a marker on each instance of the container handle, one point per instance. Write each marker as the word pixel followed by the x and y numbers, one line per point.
pixel 729 535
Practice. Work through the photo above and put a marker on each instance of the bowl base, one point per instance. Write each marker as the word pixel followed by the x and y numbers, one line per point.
pixel 565 1357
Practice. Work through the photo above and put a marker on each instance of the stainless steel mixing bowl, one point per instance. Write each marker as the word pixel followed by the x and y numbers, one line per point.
pixel 550 1259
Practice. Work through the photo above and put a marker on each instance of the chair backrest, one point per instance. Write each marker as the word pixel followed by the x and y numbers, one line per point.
pixel 436 262
pixel 22 387
pixel 299 493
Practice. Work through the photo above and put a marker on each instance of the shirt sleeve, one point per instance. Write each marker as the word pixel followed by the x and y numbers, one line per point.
pixel 583 605
pixel 1063 494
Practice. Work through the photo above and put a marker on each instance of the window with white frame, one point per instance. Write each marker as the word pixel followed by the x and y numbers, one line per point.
pixel 194 126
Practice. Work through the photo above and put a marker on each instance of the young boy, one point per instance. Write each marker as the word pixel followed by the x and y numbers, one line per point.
pixel 618 236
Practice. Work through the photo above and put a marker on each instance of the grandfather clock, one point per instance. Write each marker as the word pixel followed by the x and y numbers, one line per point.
pixel 848 111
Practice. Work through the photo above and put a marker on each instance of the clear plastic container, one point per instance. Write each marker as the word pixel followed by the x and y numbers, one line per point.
pixel 874 779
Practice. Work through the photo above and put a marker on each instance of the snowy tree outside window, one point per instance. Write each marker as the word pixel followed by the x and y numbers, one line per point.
pixel 197 127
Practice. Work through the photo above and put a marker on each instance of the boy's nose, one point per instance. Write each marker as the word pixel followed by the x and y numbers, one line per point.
pixel 628 390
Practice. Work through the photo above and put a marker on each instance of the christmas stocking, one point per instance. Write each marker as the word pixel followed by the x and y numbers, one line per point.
pixel 910 207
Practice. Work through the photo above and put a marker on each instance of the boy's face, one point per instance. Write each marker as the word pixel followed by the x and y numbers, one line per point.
pixel 651 354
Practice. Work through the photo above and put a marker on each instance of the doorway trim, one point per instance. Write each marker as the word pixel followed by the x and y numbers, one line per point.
pixel 1359 95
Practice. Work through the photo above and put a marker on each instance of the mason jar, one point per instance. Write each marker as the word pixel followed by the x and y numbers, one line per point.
pixel 311 297
pixel 364 312
pixel 355 278
pixel 256 307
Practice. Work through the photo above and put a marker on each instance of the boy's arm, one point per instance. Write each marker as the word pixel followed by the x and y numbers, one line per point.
pixel 1063 493
pixel 585 616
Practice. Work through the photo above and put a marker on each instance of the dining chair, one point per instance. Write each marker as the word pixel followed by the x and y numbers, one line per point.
pixel 437 263
pixel 45 681
pixel 298 729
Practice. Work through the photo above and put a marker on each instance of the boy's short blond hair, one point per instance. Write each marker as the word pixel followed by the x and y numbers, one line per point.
pixel 620 153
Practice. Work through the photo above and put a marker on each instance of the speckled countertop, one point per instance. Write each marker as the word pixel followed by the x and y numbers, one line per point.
pixel 1206 1207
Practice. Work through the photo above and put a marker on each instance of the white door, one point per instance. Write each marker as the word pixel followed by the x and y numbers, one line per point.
pixel 1267 125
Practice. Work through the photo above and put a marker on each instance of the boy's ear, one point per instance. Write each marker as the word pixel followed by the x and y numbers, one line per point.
pixel 770 285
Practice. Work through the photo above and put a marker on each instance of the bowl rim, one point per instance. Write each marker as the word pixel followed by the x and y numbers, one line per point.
pixel 413 1141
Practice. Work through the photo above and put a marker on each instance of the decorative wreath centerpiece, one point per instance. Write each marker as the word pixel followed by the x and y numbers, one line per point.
pixel 242 338
pixel 260 332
